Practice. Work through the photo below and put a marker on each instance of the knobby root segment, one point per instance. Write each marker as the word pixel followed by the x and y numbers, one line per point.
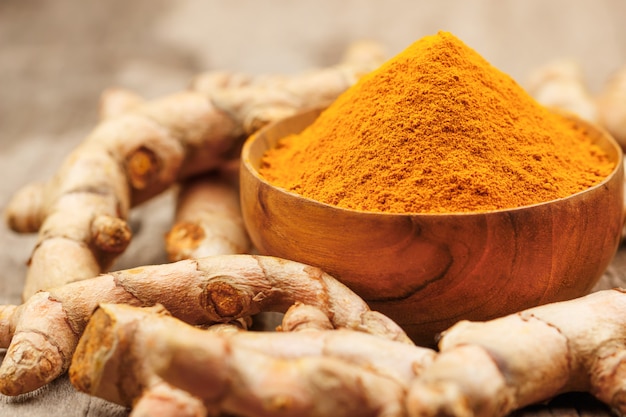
pixel 243 373
pixel 140 148
pixel 492 368
pixel 560 84
pixel 208 220
pixel 7 316
pixel 214 289
pixel 117 101
pixel 482 369
pixel 116 374
pixel 301 317
pixel 612 105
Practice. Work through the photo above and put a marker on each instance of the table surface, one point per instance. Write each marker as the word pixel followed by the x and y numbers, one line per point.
pixel 57 57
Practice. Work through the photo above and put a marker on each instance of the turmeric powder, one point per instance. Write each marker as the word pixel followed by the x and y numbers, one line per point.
pixel 436 129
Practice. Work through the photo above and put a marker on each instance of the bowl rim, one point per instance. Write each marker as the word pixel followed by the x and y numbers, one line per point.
pixel 618 170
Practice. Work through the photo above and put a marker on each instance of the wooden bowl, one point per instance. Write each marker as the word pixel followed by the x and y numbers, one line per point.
pixel 427 271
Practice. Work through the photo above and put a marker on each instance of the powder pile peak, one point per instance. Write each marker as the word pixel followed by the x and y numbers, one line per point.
pixel 436 129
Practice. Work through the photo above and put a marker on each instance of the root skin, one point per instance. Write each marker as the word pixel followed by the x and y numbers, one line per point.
pixel 115 375
pixel 215 289
pixel 290 387
pixel 530 356
pixel 33 358
pixel 612 106
pixel 561 85
pixel 208 220
pixel 301 317
pixel 248 373
pixel 117 101
pixel 8 317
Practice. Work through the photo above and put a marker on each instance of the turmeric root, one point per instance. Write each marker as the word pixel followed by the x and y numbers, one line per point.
pixel 42 333
pixel 492 368
pixel 141 149
pixel 300 317
pixel 208 220
pixel 560 84
pixel 265 386
pixel 612 106
pixel 482 368
pixel 117 101
pixel 125 381
pixel 256 101
pixel 227 366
